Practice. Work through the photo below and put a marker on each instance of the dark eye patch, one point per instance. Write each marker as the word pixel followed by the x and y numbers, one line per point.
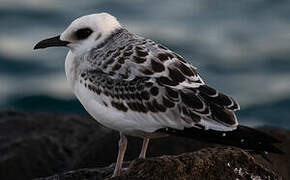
pixel 83 33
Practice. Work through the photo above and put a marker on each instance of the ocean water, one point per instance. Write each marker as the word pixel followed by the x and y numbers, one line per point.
pixel 241 48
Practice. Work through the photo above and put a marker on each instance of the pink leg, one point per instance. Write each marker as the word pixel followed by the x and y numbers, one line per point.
pixel 144 148
pixel 122 149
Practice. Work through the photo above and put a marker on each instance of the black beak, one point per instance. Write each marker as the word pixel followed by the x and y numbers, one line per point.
pixel 54 41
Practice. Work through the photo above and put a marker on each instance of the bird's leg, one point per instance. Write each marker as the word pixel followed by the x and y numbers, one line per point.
pixel 144 148
pixel 122 149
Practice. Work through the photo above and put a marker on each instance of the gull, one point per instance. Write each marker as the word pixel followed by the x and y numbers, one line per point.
pixel 141 88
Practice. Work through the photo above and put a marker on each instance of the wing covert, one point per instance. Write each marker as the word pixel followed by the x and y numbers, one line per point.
pixel 142 76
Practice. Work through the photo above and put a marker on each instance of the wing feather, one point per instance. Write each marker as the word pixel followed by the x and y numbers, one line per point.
pixel 148 80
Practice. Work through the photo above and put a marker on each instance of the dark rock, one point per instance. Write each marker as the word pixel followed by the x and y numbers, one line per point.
pixel 211 163
pixel 42 144
pixel 83 174
pixel 278 163
pixel 35 145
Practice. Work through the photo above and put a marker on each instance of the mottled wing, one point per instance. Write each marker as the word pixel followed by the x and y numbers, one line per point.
pixel 141 99
pixel 198 104
pixel 152 83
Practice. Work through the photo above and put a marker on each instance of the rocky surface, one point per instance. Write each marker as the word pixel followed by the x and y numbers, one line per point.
pixel 44 144
pixel 210 163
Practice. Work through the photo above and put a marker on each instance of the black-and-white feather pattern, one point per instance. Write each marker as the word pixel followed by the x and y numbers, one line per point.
pixel 138 87
pixel 142 76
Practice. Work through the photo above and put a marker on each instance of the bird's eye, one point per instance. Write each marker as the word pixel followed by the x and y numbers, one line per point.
pixel 83 33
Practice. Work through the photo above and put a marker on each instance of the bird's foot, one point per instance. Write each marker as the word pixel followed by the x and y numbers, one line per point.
pixel 119 172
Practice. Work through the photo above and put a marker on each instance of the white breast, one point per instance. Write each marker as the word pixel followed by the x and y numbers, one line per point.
pixel 89 100
pixel 69 70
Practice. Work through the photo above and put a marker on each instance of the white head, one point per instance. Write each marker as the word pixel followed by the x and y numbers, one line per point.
pixel 84 33
pixel 88 30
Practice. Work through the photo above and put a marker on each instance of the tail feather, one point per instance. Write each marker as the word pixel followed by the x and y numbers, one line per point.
pixel 243 137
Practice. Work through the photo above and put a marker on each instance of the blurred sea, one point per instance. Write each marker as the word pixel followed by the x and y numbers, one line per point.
pixel 241 48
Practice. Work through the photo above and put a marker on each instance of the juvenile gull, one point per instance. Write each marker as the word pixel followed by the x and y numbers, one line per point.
pixel 140 88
